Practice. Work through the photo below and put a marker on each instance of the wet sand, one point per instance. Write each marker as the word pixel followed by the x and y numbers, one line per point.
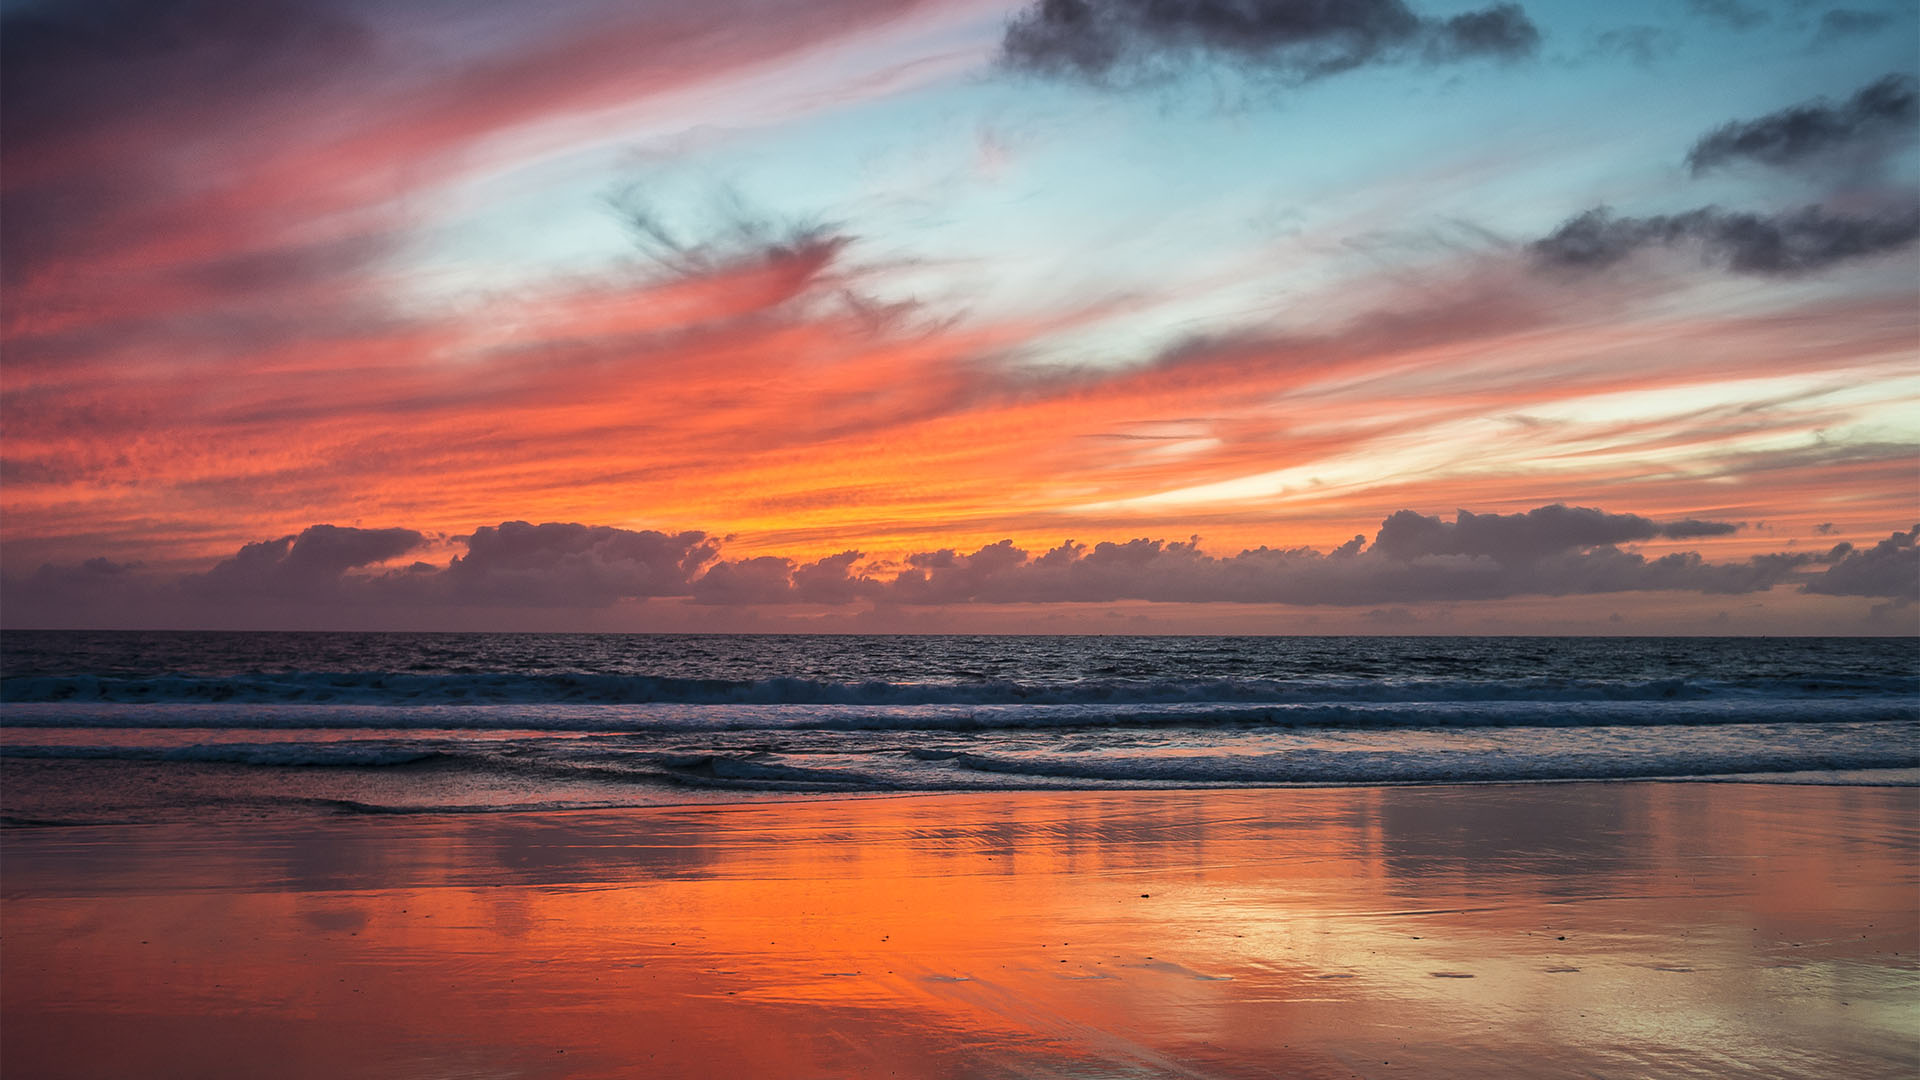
pixel 1623 929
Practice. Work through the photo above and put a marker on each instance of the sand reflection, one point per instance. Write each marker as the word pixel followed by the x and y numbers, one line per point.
pixel 1545 930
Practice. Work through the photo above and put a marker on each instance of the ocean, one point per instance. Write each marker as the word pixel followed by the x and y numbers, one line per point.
pixel 130 727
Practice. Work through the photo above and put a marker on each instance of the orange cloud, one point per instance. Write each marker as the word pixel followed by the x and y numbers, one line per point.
pixel 202 350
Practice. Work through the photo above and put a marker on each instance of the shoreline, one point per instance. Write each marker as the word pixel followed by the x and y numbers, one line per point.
pixel 721 798
pixel 1536 929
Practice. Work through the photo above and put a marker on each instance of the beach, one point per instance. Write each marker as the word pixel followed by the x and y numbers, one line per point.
pixel 1030 539
pixel 1578 929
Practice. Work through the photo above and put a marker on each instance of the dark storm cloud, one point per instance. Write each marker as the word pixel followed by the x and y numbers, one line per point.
pixel 1785 244
pixel 1126 41
pixel 1880 113
pixel 1890 569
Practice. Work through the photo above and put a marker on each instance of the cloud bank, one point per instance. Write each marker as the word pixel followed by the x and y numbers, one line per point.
pixel 1551 551
pixel 1129 41
pixel 513 564
pixel 307 566
pixel 1890 569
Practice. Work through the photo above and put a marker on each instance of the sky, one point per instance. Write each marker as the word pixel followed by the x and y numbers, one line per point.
pixel 1182 316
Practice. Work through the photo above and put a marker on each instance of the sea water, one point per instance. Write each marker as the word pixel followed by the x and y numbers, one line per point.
pixel 138 726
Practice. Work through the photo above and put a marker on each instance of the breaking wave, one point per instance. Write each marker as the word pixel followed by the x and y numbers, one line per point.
pixel 670 717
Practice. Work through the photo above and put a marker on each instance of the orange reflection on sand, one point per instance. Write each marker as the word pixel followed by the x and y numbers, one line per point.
pixel 1542 931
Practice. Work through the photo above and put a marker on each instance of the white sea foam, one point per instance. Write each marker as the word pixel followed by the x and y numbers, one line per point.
pixel 816 759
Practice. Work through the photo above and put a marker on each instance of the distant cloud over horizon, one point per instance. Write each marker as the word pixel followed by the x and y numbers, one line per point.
pixel 1554 550
pixel 303 566
pixel 1890 569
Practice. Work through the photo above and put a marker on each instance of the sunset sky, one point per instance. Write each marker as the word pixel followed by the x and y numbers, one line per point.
pixel 1090 315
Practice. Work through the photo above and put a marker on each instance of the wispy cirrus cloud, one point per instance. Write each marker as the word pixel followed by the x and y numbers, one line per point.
pixel 730 389
pixel 215 334
pixel 206 177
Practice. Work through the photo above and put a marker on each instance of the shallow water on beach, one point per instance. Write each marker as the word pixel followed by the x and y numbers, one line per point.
pixel 1571 930
pixel 134 727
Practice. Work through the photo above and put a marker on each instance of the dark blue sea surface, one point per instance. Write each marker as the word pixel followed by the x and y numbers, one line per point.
pixel 98 726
